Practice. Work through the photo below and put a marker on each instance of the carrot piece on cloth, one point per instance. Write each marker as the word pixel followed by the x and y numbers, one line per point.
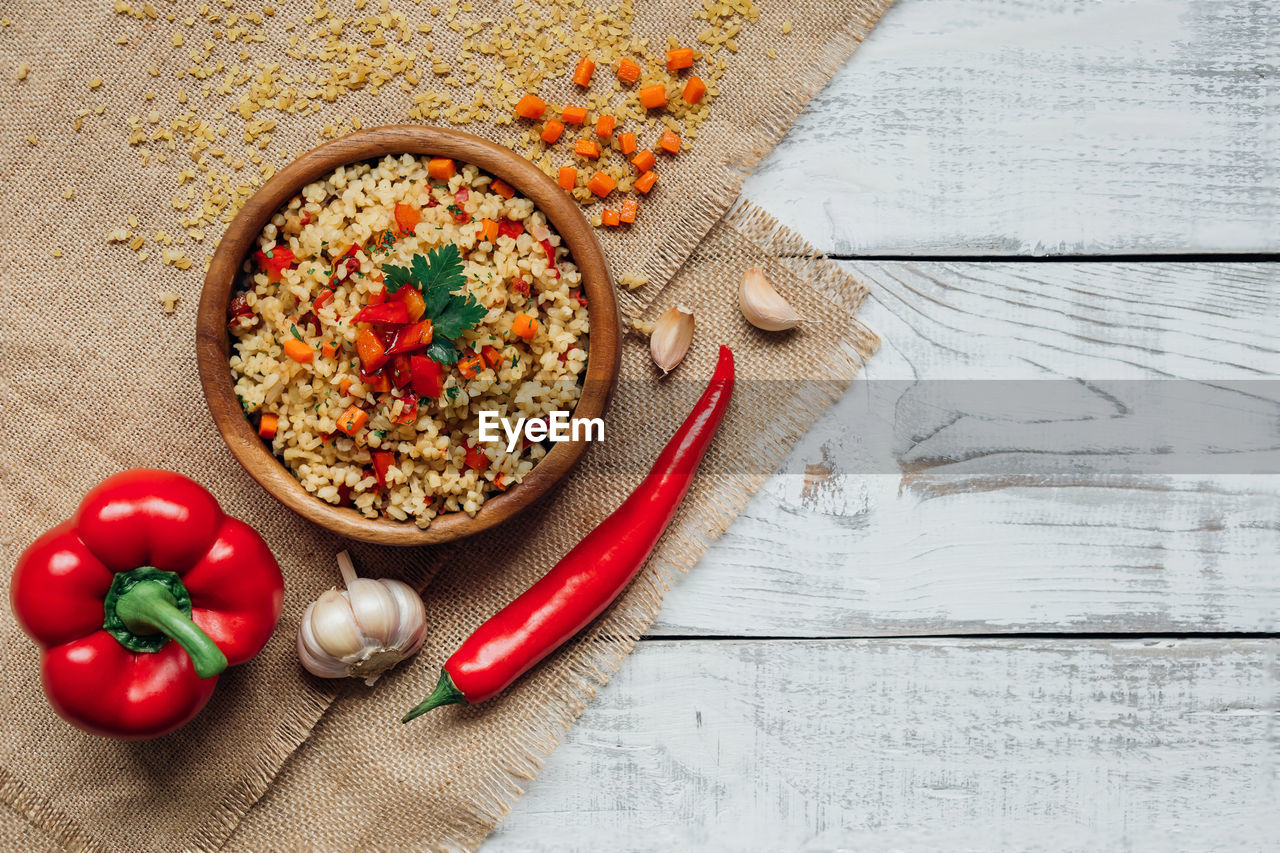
pixel 601 184
pixel 568 177
pixel 531 106
pixel 645 182
pixel 653 97
pixel 582 74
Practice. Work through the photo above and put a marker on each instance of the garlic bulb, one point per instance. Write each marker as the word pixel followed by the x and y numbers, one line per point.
pixel 762 305
pixel 671 337
pixel 361 631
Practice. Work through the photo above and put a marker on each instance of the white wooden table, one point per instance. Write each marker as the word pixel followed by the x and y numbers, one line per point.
pixel 905 653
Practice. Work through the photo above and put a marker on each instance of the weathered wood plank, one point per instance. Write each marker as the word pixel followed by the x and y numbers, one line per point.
pixel 982 127
pixel 1052 521
pixel 918 745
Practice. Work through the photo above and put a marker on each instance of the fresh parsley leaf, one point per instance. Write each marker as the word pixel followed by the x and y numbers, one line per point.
pixel 452 392
pixel 396 278
pixel 293 330
pixel 442 350
pixel 458 315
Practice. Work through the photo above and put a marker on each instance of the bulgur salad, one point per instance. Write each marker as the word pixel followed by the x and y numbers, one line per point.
pixel 386 307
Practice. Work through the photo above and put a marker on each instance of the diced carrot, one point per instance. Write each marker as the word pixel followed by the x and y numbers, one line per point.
pixel 470 365
pixel 344 387
pixel 630 207
pixel 644 161
pixel 330 349
pixel 407 216
pixel 525 326
pixel 298 351
pixel 628 71
pixel 531 106
pixel 681 57
pixel 491 356
pixel 488 229
pixel 551 130
pixel 568 177
pixel 669 142
pixel 268 425
pixel 352 420
pixel 601 184
pixel 653 97
pixel 441 168
pixel 588 148
pixel 627 143
pixel 502 188
pixel 604 126
pixel 694 90
pixel 645 182
pixel 574 115
pixel 609 217
pixel 582 74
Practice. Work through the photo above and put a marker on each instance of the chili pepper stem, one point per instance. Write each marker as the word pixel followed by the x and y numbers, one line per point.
pixel 148 607
pixel 444 694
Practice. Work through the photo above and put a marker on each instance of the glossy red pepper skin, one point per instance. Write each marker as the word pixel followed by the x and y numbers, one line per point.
pixel 593 574
pixel 142 518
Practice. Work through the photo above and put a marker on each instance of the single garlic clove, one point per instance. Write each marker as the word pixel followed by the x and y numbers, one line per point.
pixel 762 305
pixel 334 626
pixel 373 607
pixel 314 658
pixel 411 629
pixel 671 337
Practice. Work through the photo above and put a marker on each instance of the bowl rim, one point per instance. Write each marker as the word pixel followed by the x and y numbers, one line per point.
pixel 213 342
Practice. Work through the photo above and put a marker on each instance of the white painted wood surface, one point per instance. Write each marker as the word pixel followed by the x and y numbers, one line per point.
pixel 956 745
pixel 978 127
pixel 972 128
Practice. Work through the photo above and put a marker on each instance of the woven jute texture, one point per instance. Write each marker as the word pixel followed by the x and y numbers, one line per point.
pixel 94 378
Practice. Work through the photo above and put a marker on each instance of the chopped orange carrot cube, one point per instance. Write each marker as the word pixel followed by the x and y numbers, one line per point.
pixel 630 207
pixel 587 148
pixel 582 74
pixel 694 90
pixel 407 216
pixel 488 230
pixel 330 349
pixel 628 71
pixel 669 142
pixel 524 326
pixel 298 351
pixel 604 126
pixel 531 106
pixel 441 168
pixel 601 184
pixel 644 161
pixel 552 130
pixel 681 57
pixel 627 143
pixel 645 182
pixel 653 97
pixel 268 425
pixel 502 188
pixel 610 217
pixel 568 177
pixel 574 115
pixel 352 420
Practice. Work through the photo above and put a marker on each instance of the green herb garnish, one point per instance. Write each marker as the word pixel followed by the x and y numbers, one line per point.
pixel 293 330
pixel 437 275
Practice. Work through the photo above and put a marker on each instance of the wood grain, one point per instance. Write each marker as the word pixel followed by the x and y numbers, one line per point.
pixel 213 343
pixel 979 127
pixel 1029 745
pixel 1091 543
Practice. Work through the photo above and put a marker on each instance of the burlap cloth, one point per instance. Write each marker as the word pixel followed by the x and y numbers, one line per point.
pixel 94 378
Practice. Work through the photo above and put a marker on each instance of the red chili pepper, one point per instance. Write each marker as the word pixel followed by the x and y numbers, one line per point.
pixel 428 376
pixel 382 460
pixel 551 257
pixel 510 228
pixel 274 264
pixel 590 576
pixel 149 557
pixel 387 314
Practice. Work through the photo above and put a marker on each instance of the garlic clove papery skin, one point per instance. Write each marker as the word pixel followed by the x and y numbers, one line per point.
pixel 671 337
pixel 361 631
pixel 762 305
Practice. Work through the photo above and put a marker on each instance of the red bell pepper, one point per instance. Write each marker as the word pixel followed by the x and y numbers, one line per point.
pixel 578 588
pixel 551 258
pixel 401 371
pixel 388 313
pixel 428 376
pixel 510 228
pixel 411 337
pixel 382 461
pixel 148 558
pixel 275 262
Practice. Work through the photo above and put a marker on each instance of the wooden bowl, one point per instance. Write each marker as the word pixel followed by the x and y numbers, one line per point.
pixel 213 343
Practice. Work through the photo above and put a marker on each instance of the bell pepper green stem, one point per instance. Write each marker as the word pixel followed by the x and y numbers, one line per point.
pixel 148 607
pixel 444 694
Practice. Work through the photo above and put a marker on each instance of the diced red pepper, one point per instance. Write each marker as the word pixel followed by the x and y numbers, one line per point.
pixel 388 313
pixel 377 297
pixel 510 228
pixel 428 376
pixel 551 257
pixel 475 458
pixel 382 460
pixel 274 264
pixel 379 383
pixel 325 297
pixel 413 301
pixel 305 219
pixel 459 215
pixel 401 371
pixel 520 286
pixel 411 337
pixel 576 296
pixel 491 356
pixel 372 352
pixel 409 411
